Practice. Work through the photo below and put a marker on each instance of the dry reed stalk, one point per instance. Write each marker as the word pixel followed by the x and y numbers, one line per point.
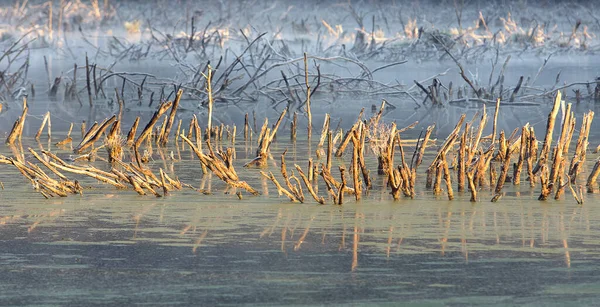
pixel 531 156
pixel 90 172
pixel 68 139
pixel 544 182
pixel 309 186
pixel 47 165
pixel 221 166
pixel 504 168
pixel 405 172
pixel 559 152
pixel 329 186
pixel 474 143
pixel 133 131
pixel 113 144
pixel 448 143
pixel 178 131
pixel 395 182
pixel 328 178
pixel 416 161
pixel 197 132
pixel 472 187
pixel 90 133
pixel 437 183
pixel 210 101
pixel 135 184
pixel 264 143
pixel 44 121
pixel 577 196
pixel 480 168
pixel 447 178
pixel 164 183
pixel 164 106
pixel 581 145
pixel 361 157
pixel 550 129
pixel 90 141
pixel 159 132
pixel 296 190
pixel 561 182
pixel 495 123
pixel 592 178
pixel 164 137
pixel 340 196
pixel 281 190
pixel 324 130
pixel 462 163
pixel 386 154
pixel 346 139
pixel 524 142
pixel 17 129
pixel 329 150
pixel 356 181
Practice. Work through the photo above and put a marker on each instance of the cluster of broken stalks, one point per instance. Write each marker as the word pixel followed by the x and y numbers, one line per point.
pixel 473 160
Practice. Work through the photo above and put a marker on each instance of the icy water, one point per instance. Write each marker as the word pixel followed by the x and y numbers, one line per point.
pixel 112 247
pixel 204 250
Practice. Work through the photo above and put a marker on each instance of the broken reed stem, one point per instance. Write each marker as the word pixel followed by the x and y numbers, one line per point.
pixel 581 146
pixel 164 106
pixel 281 190
pixel 133 131
pixel 550 128
pixel 164 139
pixel 462 163
pixel 89 142
pixel 44 121
pixel 593 177
pixel 496 111
pixel 356 181
pixel 265 139
pixel 340 196
pixel 309 186
pixel 329 150
pixel 210 101
pixel 17 130
pixel 68 139
pixel 522 155
pixel 504 168
pixel 531 156
pixel 447 178
pixel 578 197
pixel 472 187
pixel 324 130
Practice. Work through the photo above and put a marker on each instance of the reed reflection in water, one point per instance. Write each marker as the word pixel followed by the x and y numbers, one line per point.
pixel 382 250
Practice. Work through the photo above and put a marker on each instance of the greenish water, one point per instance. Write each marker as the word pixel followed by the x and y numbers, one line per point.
pixel 112 247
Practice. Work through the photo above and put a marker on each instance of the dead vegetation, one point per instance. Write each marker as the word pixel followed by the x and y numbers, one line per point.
pixel 466 160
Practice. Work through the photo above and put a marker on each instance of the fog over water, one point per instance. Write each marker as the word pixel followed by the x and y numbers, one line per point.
pixel 210 243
